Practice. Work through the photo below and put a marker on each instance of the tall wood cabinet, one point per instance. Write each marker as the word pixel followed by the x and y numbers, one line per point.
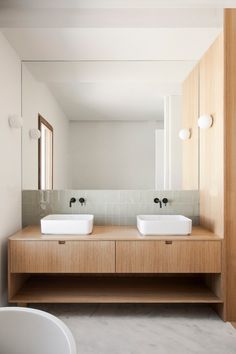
pixel 230 161
pixel 203 93
pixel 190 113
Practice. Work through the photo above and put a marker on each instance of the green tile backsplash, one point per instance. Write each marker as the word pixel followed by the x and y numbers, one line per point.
pixel 109 207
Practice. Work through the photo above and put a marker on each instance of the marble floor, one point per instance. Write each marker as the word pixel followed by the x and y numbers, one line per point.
pixel 146 329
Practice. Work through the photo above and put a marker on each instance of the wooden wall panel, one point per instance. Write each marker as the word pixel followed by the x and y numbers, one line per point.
pixel 190 90
pixel 230 161
pixel 211 152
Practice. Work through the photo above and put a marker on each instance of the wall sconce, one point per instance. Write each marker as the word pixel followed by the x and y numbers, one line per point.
pixel 205 121
pixel 184 134
pixel 35 134
pixel 15 121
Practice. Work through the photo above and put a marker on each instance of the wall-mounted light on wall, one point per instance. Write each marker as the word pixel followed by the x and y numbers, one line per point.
pixel 34 134
pixel 184 134
pixel 205 121
pixel 15 121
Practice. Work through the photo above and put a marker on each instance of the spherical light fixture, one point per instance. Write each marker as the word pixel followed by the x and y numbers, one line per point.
pixel 35 134
pixel 205 121
pixel 15 121
pixel 184 134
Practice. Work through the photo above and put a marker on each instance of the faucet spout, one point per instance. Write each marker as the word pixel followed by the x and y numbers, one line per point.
pixel 158 201
pixel 72 200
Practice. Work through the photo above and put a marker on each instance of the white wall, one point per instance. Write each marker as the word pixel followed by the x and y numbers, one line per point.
pixel 10 155
pixel 37 98
pixel 172 143
pixel 112 155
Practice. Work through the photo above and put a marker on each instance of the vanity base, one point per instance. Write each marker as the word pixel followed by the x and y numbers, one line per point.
pixel 114 289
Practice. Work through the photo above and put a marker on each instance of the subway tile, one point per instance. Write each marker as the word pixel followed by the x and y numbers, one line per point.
pixel 111 207
pixel 29 197
pixel 148 196
pixel 185 196
pixel 130 197
pixel 196 220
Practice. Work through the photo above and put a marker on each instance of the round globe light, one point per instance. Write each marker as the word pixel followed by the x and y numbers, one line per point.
pixel 205 121
pixel 35 134
pixel 184 134
pixel 15 121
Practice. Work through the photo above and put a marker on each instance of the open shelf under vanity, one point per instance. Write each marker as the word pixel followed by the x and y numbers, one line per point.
pixel 113 289
pixel 114 265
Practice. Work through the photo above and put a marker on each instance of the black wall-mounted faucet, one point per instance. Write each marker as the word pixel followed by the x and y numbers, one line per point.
pixel 82 201
pixel 72 200
pixel 158 201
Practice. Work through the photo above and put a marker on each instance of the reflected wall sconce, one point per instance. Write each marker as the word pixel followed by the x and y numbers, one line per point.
pixel 184 134
pixel 35 134
pixel 15 121
pixel 205 121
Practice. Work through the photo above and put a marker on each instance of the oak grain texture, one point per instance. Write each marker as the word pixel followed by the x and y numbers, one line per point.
pixel 230 162
pixel 190 109
pixel 212 140
pixel 112 233
pixel 31 253
pixel 177 257
pixel 69 257
pixel 114 290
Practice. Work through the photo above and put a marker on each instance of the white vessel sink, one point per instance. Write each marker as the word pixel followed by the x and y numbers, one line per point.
pixel 164 225
pixel 67 224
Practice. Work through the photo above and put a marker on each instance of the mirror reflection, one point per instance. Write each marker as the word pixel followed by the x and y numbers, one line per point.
pixel 111 124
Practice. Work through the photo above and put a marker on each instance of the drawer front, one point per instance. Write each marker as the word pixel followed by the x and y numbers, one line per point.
pixel 62 256
pixel 168 257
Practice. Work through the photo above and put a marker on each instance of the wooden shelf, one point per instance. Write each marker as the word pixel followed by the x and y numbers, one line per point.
pixel 75 289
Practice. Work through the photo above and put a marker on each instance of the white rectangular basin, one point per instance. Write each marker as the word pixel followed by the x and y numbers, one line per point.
pixel 164 225
pixel 67 224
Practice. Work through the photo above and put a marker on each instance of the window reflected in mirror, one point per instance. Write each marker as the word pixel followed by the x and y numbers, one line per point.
pixel 45 157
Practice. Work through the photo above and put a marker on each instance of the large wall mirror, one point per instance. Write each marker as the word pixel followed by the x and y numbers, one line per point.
pixel 115 123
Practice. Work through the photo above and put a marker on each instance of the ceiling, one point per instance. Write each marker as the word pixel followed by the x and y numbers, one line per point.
pixel 118 3
pixel 112 90
pixel 111 43
pixel 29 17
pixel 130 54
pixel 158 72
pixel 109 101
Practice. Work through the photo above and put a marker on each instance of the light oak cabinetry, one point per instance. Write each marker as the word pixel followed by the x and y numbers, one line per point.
pixel 206 84
pixel 168 257
pixel 190 108
pixel 100 267
pixel 212 140
pixel 62 256
pixel 230 162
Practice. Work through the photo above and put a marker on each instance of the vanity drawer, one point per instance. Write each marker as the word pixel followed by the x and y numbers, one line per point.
pixel 168 256
pixel 62 256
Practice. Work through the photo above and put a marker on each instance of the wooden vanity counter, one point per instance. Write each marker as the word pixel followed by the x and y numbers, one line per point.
pixel 114 233
pixel 115 264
